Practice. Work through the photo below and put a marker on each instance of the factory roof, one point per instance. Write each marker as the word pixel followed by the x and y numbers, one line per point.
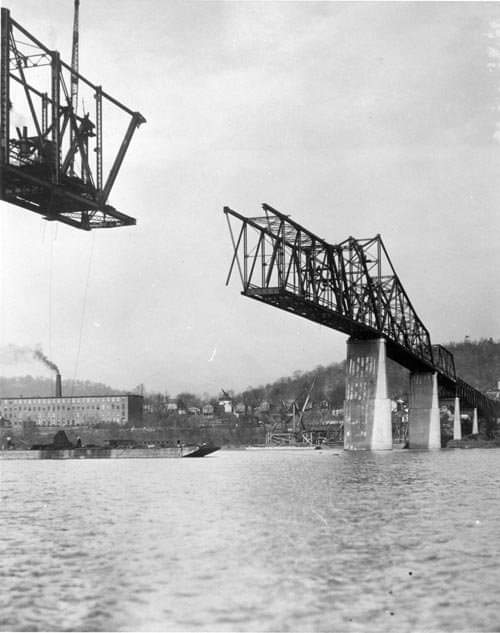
pixel 109 395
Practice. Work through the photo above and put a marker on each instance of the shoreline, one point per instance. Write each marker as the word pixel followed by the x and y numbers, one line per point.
pixel 474 442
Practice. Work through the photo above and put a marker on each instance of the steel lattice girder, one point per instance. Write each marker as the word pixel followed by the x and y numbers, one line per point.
pixel 54 164
pixel 351 287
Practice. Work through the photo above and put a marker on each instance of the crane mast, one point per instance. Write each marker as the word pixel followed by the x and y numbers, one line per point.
pixel 74 70
pixel 74 58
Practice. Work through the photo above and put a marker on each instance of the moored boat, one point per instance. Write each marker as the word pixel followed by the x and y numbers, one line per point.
pixel 285 447
pixel 62 448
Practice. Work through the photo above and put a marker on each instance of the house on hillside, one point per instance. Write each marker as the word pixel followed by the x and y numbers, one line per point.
pixel 172 406
pixel 226 405
pixel 264 407
pixel 241 409
pixel 494 394
pixel 208 410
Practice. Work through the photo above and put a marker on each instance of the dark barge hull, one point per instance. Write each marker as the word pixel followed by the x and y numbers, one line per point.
pixel 111 453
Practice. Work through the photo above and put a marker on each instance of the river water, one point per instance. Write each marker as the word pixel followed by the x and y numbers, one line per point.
pixel 253 541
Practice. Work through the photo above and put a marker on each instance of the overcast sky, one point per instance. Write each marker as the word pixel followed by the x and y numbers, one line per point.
pixel 355 118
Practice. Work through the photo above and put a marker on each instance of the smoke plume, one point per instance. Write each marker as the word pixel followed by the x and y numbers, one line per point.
pixel 13 354
pixel 41 356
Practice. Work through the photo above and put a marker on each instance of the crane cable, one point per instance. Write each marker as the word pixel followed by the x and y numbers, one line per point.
pixel 84 309
pixel 51 268
pixel 74 106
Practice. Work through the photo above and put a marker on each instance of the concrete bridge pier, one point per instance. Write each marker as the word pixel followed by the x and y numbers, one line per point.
pixel 475 424
pixel 424 428
pixel 367 423
pixel 457 423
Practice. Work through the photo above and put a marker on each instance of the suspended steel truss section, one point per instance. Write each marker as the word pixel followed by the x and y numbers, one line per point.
pixel 54 161
pixel 351 287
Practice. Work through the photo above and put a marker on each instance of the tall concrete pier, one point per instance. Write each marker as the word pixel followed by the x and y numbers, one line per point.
pixel 475 424
pixel 367 424
pixel 457 424
pixel 423 412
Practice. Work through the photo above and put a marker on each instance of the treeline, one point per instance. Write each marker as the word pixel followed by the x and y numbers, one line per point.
pixel 329 384
pixel 39 387
pixel 329 387
pixel 476 362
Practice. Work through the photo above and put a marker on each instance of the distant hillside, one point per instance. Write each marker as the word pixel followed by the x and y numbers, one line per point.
pixel 31 387
pixel 477 362
pixel 329 384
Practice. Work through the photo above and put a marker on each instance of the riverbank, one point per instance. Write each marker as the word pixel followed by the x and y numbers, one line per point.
pixel 144 436
pixel 474 441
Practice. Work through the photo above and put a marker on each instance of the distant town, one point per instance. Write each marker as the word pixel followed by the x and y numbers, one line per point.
pixel 307 403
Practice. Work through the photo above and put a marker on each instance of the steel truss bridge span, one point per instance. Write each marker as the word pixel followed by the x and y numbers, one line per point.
pixel 54 161
pixel 351 287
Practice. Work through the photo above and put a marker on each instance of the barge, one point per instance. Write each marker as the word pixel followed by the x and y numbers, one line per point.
pixel 62 448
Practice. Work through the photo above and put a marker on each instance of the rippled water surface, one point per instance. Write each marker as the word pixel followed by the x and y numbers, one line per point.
pixel 253 541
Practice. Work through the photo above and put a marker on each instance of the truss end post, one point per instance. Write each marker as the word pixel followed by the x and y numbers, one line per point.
pixel 139 119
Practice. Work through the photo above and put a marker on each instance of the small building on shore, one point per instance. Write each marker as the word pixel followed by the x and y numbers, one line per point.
pixel 208 410
pixel 494 393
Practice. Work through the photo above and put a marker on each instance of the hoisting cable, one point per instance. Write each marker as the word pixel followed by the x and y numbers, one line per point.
pixel 84 308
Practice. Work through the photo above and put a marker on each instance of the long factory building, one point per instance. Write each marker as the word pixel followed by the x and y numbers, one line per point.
pixel 63 411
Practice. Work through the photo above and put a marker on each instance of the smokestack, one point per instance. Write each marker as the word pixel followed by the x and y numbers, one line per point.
pixel 58 386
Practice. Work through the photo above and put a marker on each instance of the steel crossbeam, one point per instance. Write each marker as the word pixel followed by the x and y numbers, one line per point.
pixel 52 158
pixel 351 287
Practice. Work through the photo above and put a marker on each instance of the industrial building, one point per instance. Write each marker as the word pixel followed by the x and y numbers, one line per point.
pixel 73 411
